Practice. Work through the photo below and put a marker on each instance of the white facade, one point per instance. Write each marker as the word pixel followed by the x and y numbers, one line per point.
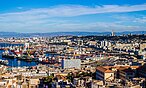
pixel 71 63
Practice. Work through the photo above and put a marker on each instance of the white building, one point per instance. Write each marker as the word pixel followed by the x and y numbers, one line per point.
pixel 71 63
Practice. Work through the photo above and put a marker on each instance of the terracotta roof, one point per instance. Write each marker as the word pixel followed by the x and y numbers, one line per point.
pixel 100 68
pixel 109 71
pixel 122 68
pixel 109 68
pixel 135 67
pixel 104 69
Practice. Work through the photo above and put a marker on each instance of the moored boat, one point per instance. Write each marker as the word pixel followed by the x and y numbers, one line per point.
pixel 4 62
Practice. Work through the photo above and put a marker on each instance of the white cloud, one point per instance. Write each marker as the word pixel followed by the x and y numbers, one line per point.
pixel 68 27
pixel 76 10
pixel 140 20
pixel 39 20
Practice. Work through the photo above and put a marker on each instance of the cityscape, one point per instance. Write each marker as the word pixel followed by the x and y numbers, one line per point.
pixel 72 44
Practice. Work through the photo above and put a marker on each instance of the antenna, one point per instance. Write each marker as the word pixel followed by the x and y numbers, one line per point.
pixel 112 34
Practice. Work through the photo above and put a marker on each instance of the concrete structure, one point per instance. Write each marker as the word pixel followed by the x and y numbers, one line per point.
pixel 113 33
pixel 103 73
pixel 82 82
pixel 143 46
pixel 109 73
pixel 71 63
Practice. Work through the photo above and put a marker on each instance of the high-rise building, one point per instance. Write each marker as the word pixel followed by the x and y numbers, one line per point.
pixel 113 33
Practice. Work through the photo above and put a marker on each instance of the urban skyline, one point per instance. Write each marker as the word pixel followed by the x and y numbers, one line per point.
pixel 72 44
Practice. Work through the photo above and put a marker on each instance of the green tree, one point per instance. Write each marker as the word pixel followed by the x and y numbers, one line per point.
pixel 70 77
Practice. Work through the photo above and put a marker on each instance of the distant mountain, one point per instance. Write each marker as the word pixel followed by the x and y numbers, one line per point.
pixel 15 34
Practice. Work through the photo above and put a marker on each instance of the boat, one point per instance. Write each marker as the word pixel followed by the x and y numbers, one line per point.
pixel 8 56
pixel 4 62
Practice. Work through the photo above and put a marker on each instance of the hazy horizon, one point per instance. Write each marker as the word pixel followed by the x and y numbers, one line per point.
pixel 75 32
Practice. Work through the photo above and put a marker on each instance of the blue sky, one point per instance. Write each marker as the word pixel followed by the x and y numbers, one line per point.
pixel 72 15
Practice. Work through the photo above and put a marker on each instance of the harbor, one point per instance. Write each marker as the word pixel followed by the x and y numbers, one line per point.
pixel 19 55
pixel 17 63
